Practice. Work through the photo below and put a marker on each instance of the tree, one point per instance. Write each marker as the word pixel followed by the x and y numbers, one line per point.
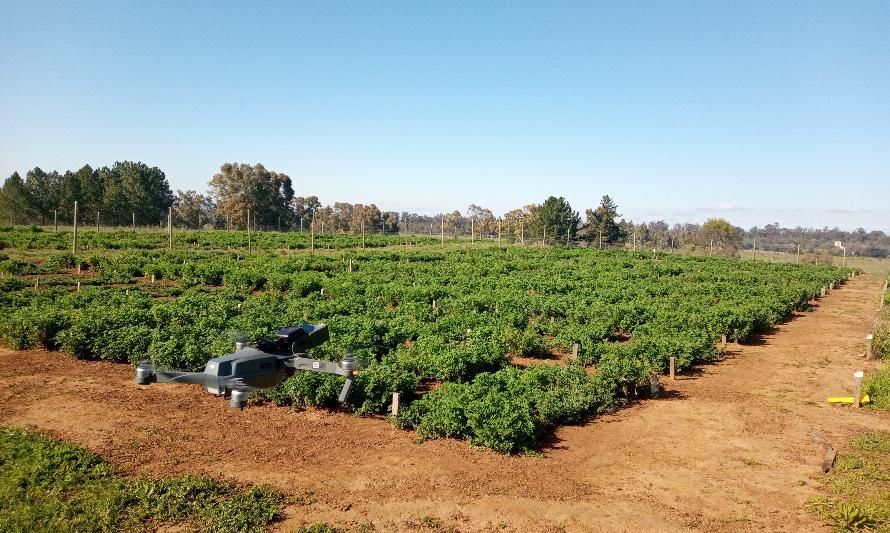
pixel 555 218
pixel 342 217
pixel 726 238
pixel 43 193
pixel 454 222
pixel 92 190
pixel 484 221
pixel 514 224
pixel 601 222
pixel 192 210
pixel 149 195
pixel 367 217
pixel 16 199
pixel 303 208
pixel 390 221
pixel 239 187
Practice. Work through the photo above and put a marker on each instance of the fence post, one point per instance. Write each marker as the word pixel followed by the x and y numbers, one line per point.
pixel 97 222
pixel 55 220
pixel 170 225
pixel 868 342
pixel 248 231
pixel 673 367
pixel 74 242
pixel 575 349
pixel 395 404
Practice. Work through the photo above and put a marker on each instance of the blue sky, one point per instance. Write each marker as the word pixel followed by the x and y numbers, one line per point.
pixel 755 111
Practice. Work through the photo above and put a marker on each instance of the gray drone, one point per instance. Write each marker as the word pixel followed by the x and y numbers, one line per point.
pixel 235 375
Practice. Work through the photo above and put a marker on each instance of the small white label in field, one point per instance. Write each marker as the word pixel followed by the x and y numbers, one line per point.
pixel 316 365
pixel 858 374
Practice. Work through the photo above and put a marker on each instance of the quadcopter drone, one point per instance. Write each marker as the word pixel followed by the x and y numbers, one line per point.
pixel 233 376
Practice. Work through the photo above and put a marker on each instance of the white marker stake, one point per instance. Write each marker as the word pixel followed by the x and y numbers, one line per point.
pixel 673 367
pixel 395 404
pixel 857 387
pixel 868 340
pixel 653 384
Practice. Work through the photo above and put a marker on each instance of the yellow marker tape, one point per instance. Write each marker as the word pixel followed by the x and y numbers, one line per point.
pixel 849 399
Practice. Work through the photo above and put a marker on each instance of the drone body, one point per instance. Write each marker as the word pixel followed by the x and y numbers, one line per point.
pixel 247 369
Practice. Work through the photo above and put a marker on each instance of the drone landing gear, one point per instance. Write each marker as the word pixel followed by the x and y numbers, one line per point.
pixel 238 399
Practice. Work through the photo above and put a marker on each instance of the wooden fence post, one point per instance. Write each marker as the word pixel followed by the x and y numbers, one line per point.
pixel 74 242
pixel 170 226
pixel 312 233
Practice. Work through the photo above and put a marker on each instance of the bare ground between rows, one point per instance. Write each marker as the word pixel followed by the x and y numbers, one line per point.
pixel 725 449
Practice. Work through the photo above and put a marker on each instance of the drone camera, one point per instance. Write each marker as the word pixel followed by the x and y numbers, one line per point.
pixel 299 339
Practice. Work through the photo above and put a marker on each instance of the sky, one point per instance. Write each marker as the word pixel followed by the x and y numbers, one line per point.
pixel 758 112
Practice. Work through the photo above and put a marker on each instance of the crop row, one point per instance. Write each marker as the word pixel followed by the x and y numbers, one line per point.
pixel 444 321
pixel 116 239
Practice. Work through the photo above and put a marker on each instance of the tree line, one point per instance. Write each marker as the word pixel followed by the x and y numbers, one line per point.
pixel 240 194
pixel 121 192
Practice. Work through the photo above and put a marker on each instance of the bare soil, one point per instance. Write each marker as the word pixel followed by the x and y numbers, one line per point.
pixel 725 448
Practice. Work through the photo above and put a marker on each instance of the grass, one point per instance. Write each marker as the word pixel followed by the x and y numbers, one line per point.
pixel 870 265
pixel 858 488
pixel 49 485
pixel 877 386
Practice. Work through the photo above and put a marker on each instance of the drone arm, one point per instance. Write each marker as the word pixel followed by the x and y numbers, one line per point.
pixel 146 373
pixel 317 365
pixel 345 368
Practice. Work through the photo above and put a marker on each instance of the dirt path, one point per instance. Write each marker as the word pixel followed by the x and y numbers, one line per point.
pixel 726 449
